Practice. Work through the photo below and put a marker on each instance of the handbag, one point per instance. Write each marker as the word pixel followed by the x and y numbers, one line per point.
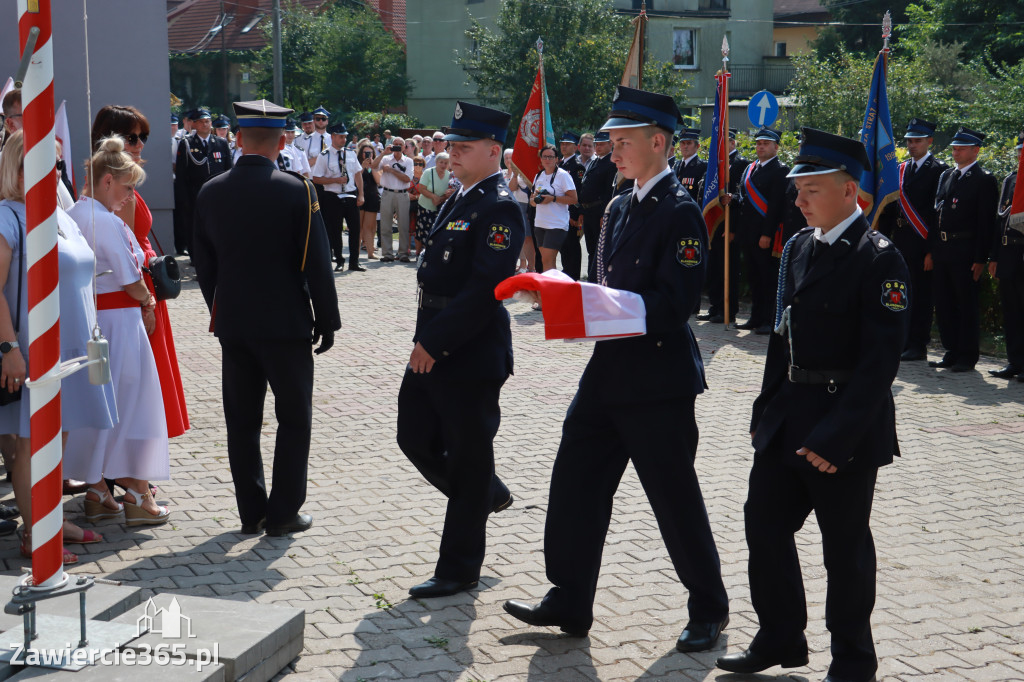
pixel 6 397
pixel 166 275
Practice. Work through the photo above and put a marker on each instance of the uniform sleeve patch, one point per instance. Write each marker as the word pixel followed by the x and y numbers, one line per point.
pixel 498 237
pixel 316 206
pixel 894 295
pixel 688 252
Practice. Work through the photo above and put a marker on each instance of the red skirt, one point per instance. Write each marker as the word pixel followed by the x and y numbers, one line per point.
pixel 161 340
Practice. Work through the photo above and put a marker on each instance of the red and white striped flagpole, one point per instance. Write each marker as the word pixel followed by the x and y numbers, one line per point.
pixel 43 303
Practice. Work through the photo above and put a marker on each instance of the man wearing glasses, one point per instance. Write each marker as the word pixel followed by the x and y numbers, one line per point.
pixel 12 114
pixel 438 145
pixel 201 156
pixel 396 174
pixel 319 139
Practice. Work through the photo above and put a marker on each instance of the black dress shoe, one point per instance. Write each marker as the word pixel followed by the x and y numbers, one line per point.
pixel 704 317
pixel 763 330
pixel 1008 372
pixel 357 268
pixel 254 528
pixel 912 354
pixel 941 363
pixel 717 319
pixel 543 615
pixel 440 587
pixel 8 527
pixel 300 523
pixel 748 662
pixel 502 506
pixel 8 512
pixel 961 367
pixel 700 636
pixel 746 325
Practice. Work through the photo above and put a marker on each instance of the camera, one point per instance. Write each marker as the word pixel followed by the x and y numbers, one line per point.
pixel 367 154
pixel 538 197
pixel 396 147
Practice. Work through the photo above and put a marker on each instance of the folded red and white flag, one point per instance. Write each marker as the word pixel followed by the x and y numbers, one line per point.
pixel 580 311
pixel 1016 217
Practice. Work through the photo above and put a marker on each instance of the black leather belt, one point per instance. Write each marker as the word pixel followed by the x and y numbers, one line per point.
pixel 1011 240
pixel 950 236
pixel 821 377
pixel 396 191
pixel 433 301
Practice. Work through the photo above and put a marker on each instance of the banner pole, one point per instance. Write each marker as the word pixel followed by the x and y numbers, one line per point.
pixel 724 131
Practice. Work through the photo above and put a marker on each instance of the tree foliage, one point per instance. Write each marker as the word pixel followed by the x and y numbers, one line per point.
pixel 993 29
pixel 857 25
pixel 585 48
pixel 341 57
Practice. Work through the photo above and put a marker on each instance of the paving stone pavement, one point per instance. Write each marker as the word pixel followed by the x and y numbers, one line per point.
pixel 948 520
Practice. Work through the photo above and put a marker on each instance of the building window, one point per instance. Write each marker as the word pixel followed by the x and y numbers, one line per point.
pixel 780 49
pixel 684 48
pixel 714 4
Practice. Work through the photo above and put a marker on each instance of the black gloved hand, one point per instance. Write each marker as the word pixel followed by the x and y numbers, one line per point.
pixel 325 339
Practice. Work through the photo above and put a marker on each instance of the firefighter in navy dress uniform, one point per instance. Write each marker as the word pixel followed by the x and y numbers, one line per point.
pixel 595 191
pixel 201 156
pixel 690 169
pixel 572 255
pixel 967 201
pixel 262 258
pixel 1007 264
pixel 448 405
pixel 653 243
pixel 825 419
pixel 908 223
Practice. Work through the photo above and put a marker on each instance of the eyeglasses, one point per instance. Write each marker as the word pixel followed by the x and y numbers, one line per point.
pixel 319 118
pixel 133 139
pixel 419 163
pixel 548 157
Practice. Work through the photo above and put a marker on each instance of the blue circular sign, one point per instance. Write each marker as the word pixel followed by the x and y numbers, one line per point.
pixel 763 109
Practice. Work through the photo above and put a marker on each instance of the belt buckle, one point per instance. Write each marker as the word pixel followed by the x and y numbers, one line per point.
pixel 942 236
pixel 790 374
pixel 1005 240
pixel 419 299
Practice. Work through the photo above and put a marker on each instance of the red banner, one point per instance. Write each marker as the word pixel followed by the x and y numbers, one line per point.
pixel 531 135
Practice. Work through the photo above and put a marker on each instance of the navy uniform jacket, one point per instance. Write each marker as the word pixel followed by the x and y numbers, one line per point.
pixel 473 246
pixel 849 313
pixel 659 250
pixel 193 166
pixel 574 167
pixel 690 175
pixel 250 234
pixel 771 182
pixel 920 191
pixel 967 216
pixel 595 191
pixel 1008 249
pixel 737 164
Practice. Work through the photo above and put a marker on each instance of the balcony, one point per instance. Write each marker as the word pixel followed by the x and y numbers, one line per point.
pixel 706 9
pixel 750 78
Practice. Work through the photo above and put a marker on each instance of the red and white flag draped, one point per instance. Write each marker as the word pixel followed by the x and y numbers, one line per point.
pixel 580 311
pixel 1017 207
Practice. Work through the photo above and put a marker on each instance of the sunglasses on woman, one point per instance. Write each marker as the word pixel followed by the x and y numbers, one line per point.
pixel 133 139
pixel 419 163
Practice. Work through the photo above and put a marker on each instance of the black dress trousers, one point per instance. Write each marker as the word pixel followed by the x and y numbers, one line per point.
pixel 598 441
pixel 781 497
pixel 447 430
pixel 248 365
pixel 957 309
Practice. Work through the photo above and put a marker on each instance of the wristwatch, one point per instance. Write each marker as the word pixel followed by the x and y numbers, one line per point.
pixel 7 346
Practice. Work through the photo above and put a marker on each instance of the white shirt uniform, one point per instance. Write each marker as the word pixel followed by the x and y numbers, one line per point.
pixel 313 144
pixel 336 163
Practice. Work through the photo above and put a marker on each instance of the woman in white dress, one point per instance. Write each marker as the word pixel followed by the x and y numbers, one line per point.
pixel 134 451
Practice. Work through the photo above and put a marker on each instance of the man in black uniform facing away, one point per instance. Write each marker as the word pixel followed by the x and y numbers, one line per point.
pixel 653 243
pixel 909 222
pixel 201 156
pixel 448 405
pixel 825 420
pixel 967 200
pixel 690 168
pixel 1007 264
pixel 261 257
pixel 761 204
pixel 595 191
pixel 716 262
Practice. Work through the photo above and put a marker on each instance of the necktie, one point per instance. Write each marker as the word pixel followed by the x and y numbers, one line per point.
pixel 818 247
pixel 911 170
pixel 953 180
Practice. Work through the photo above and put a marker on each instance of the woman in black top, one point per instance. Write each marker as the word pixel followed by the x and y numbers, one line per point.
pixel 371 199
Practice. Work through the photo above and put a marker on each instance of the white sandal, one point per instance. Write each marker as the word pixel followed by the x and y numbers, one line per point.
pixel 135 515
pixel 97 510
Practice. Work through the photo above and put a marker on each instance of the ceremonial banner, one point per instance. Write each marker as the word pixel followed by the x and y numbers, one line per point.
pixel 718 157
pixel 63 133
pixel 879 185
pixel 535 128
pixel 580 311
pixel 1016 216
pixel 633 74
